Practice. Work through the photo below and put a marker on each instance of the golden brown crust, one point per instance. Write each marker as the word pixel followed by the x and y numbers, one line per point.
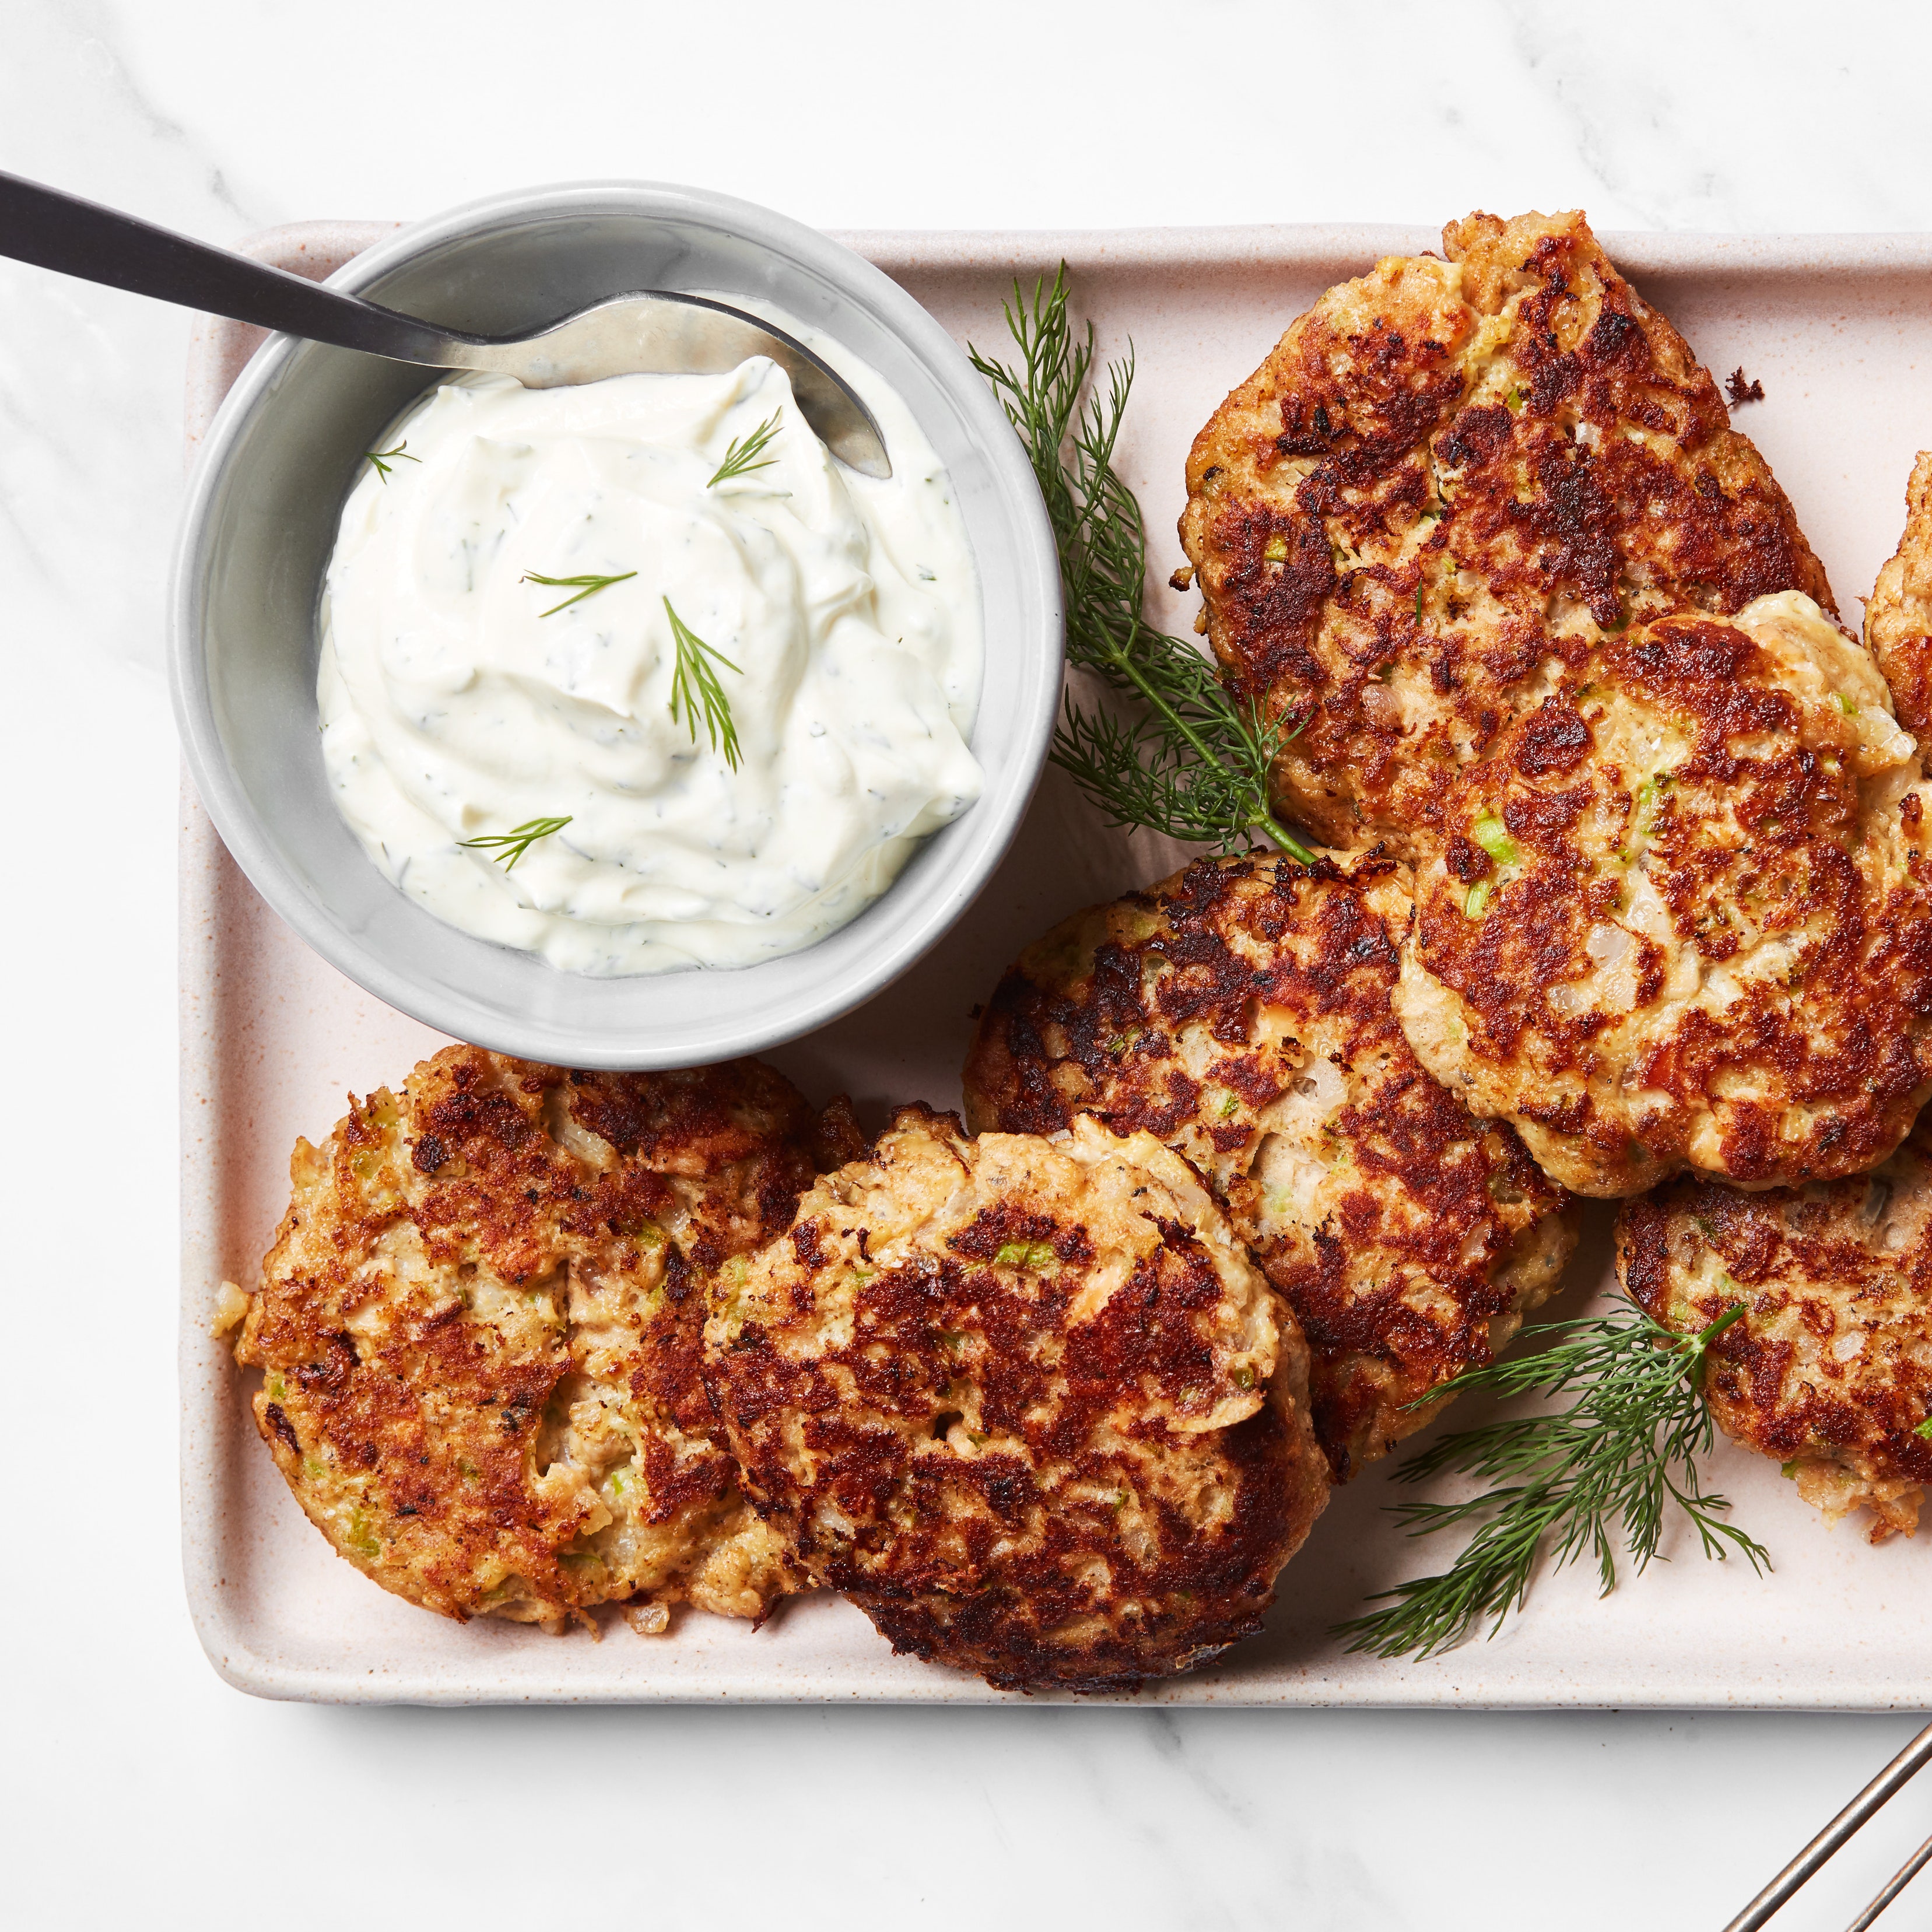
pixel 1449 481
pixel 480 1326
pixel 1828 1371
pixel 1898 619
pixel 1239 1011
pixel 1027 1402
pixel 1681 916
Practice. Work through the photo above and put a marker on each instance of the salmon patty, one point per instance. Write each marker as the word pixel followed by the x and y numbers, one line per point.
pixel 1898 619
pixel 1681 915
pixel 1026 1401
pixel 1449 482
pixel 1828 1370
pixel 1240 1012
pixel 480 1324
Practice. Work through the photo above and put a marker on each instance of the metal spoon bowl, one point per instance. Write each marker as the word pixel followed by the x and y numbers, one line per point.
pixel 653 331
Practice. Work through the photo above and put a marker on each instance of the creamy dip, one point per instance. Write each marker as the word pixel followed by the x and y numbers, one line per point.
pixel 836 615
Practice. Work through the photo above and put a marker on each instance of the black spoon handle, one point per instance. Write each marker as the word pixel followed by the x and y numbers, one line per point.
pixel 53 230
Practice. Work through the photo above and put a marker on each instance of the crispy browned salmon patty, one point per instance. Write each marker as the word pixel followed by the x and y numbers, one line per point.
pixel 1450 481
pixel 1681 915
pixel 1828 1371
pixel 1898 619
pixel 1239 1011
pixel 1027 1402
pixel 480 1324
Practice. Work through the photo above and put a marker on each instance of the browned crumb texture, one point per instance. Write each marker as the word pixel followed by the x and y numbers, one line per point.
pixel 1241 1011
pixel 1829 1372
pixel 1450 478
pixel 1681 916
pixel 1898 619
pixel 1026 1402
pixel 480 1325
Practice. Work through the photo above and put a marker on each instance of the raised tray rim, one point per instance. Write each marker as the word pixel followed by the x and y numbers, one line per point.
pixel 218 348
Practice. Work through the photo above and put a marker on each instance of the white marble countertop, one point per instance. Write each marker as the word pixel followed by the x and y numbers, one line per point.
pixel 139 1787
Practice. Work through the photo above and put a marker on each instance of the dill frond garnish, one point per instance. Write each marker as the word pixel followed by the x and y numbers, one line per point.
pixel 1191 761
pixel 509 847
pixel 694 683
pixel 589 586
pixel 738 459
pixel 1622 1452
pixel 386 460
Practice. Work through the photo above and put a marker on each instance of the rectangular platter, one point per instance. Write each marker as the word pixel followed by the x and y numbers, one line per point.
pixel 1839 330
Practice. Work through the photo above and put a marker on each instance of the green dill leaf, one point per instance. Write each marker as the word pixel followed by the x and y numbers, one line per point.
pixel 1620 1455
pixel 739 459
pixel 587 586
pixel 695 684
pixel 386 460
pixel 509 847
pixel 1185 756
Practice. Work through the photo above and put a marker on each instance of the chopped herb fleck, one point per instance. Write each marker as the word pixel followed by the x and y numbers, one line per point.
pixel 586 585
pixel 739 459
pixel 385 459
pixel 1025 1254
pixel 696 674
pixel 509 847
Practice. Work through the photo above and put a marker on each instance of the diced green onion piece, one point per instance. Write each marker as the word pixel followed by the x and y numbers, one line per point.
pixel 1025 1254
pixel 1649 803
pixel 1275 549
pixel 1923 1431
pixel 1492 836
pixel 1846 705
pixel 1478 899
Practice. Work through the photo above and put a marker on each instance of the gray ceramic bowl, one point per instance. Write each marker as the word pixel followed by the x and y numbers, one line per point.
pixel 261 519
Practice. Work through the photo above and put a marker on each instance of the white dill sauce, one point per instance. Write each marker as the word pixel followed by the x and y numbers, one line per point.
pixel 838 614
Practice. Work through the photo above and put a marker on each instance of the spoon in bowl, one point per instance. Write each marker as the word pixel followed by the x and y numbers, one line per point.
pixel 655 330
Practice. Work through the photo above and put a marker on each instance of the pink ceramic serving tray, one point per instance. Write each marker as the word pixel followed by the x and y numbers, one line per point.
pixel 1839 330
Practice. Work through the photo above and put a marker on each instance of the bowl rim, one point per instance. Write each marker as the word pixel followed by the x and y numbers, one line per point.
pixel 997 816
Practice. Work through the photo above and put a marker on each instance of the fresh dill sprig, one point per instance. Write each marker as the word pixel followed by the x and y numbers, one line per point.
pixel 591 586
pixel 386 460
pixel 738 459
pixel 695 674
pixel 1622 1451
pixel 509 847
pixel 1193 763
